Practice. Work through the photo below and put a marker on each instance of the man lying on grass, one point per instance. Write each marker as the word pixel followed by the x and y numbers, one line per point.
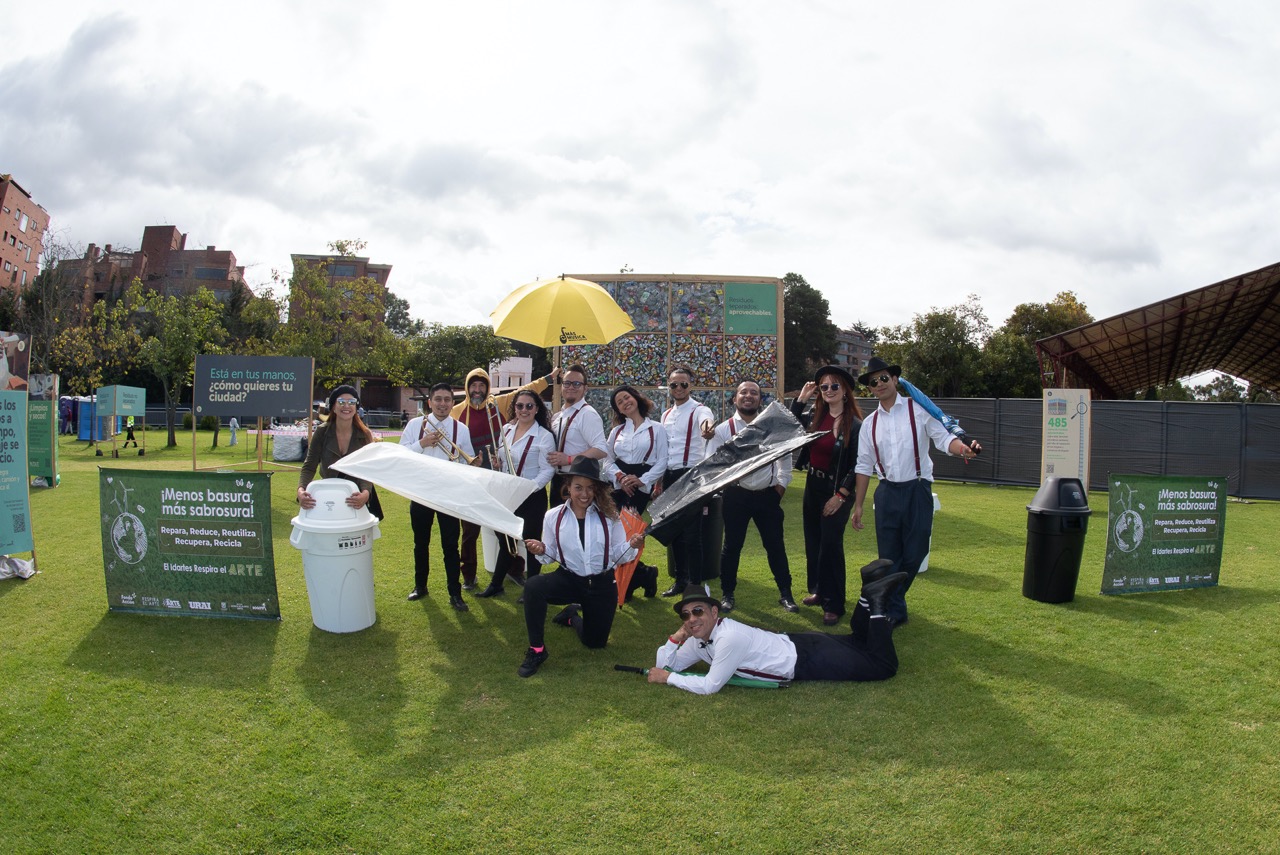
pixel 730 647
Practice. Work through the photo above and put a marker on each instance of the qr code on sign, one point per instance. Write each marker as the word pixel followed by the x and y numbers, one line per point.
pixel 19 523
pixel 1048 468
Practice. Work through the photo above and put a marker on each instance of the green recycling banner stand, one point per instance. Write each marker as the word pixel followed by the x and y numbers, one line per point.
pixel 1164 532
pixel 181 543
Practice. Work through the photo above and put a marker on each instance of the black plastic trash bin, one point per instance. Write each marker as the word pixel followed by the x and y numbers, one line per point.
pixel 1057 520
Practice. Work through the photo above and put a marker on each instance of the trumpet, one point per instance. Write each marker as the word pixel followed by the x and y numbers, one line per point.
pixel 451 449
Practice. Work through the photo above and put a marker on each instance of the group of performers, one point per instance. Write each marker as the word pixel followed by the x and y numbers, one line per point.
pixel 593 473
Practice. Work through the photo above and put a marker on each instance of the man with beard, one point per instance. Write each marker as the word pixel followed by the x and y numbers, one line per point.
pixel 481 414
pixel 578 429
pixel 688 424
pixel 756 498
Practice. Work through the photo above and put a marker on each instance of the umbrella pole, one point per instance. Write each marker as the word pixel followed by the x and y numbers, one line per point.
pixel 555 388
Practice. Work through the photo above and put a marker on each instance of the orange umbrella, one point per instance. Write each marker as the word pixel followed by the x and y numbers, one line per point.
pixel 633 525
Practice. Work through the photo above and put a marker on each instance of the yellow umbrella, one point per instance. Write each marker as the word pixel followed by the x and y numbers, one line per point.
pixel 554 312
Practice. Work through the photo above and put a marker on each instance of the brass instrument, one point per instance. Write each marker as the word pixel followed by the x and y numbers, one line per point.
pixel 491 410
pixel 451 449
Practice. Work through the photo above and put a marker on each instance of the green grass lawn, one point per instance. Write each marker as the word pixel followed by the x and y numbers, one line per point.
pixel 1142 723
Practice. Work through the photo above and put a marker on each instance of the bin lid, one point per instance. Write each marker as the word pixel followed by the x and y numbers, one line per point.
pixel 1061 496
pixel 332 513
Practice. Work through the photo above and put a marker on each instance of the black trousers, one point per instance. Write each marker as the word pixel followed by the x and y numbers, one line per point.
pixel 598 595
pixel 904 524
pixel 688 561
pixel 420 518
pixel 764 508
pixel 824 544
pixel 822 656
pixel 532 511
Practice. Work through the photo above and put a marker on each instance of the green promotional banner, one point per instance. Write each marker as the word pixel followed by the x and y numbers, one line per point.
pixel 42 428
pixel 750 308
pixel 1164 532
pixel 15 497
pixel 188 543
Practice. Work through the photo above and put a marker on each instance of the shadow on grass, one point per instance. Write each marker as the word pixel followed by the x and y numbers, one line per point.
pixel 217 653
pixel 358 684
pixel 1174 606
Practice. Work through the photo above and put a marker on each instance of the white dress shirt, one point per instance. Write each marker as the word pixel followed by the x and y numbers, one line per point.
pixel 561 538
pixel 889 432
pixel 683 423
pixel 456 433
pixel 776 475
pixel 529 453
pixel 734 648
pixel 578 428
pixel 631 444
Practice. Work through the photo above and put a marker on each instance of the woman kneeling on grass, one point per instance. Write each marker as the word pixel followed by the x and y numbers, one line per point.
pixel 586 537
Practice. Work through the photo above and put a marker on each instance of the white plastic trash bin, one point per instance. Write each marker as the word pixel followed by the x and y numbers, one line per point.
pixel 336 541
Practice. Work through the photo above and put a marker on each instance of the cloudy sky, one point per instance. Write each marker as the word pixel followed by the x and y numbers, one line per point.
pixel 899 156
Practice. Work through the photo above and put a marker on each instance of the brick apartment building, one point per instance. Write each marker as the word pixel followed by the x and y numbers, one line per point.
pixel 163 264
pixel 852 351
pixel 23 224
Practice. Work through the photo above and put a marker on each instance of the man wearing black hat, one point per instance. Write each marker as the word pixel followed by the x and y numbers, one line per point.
pixel 732 648
pixel 894 446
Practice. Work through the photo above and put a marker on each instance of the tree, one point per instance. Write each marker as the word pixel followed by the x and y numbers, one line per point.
pixel 252 321
pixel 99 352
pixel 809 336
pixel 337 322
pixel 445 354
pixel 1174 391
pixel 1010 368
pixel 940 351
pixel 399 321
pixel 174 331
pixel 51 302
pixel 1221 388
pixel 869 333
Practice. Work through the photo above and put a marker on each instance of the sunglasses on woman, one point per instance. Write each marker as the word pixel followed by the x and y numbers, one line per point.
pixel 830 387
pixel 527 405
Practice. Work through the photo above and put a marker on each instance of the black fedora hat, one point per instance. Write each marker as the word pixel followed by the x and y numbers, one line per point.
pixel 838 370
pixel 696 594
pixel 877 364
pixel 585 467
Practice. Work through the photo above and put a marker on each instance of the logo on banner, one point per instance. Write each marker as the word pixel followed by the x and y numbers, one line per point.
pixel 1128 529
pixel 128 536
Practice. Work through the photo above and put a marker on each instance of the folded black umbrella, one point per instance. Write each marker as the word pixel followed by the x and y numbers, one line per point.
pixel 775 433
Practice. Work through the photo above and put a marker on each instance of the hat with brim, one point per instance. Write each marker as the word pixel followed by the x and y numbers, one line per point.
pixel 875 365
pixel 696 594
pixel 585 467
pixel 838 370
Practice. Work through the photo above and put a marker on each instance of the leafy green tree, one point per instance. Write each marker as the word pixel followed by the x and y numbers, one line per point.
pixel 336 322
pixel 1174 391
pixel 941 349
pixel 174 330
pixel 1261 395
pixel 99 352
pixel 1221 388
pixel 399 321
pixel 1009 366
pixel 445 354
pixel 252 321
pixel 809 336
pixel 50 303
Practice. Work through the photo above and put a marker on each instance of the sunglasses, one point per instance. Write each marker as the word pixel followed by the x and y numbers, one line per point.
pixel 346 402
pixel 678 385
pixel 696 611
pixel 573 384
pixel 873 382
pixel 830 387
pixel 526 406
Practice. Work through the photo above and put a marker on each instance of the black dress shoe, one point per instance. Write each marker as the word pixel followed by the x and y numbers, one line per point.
pixel 491 591
pixel 788 605
pixel 566 615
pixel 877 593
pixel 830 618
pixel 532 662
pixel 458 604
pixel 675 590
pixel 811 600
pixel 877 569
pixel 726 603
pixel 417 594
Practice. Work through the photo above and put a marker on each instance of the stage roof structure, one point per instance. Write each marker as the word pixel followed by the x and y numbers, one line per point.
pixel 1232 326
